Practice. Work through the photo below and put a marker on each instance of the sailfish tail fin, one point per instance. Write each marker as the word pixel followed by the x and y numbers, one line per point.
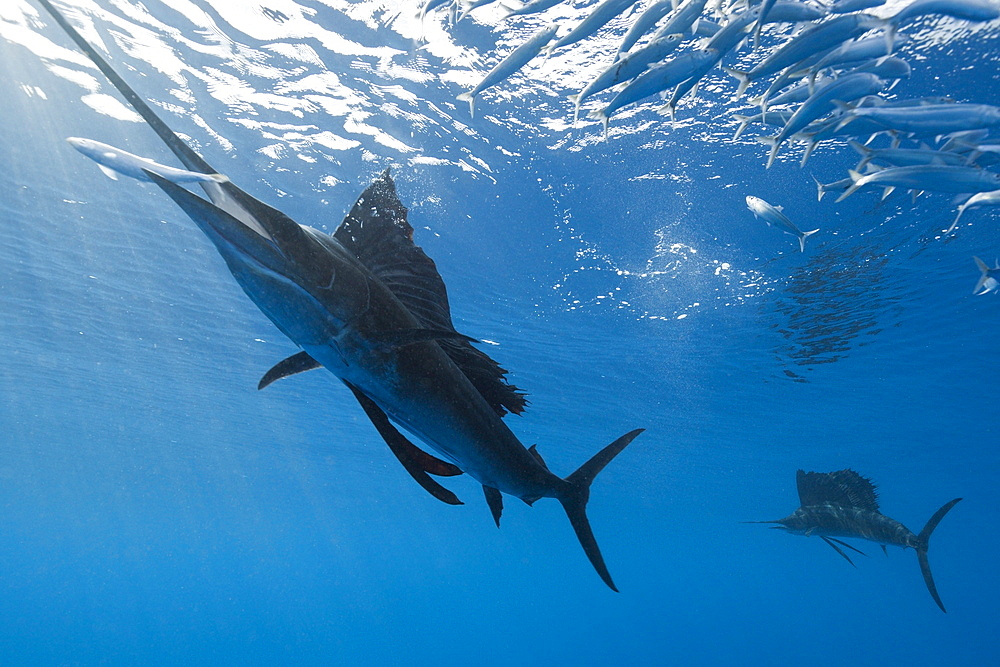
pixel 922 543
pixel 574 501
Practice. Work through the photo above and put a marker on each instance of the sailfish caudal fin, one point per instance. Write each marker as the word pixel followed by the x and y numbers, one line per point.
pixel 574 501
pixel 922 542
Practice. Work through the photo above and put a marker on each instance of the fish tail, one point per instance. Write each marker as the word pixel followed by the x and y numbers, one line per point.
pixel 741 76
pixel 820 190
pixel 774 144
pixel 802 239
pixel 576 100
pixel 810 146
pixel 576 494
pixel 922 543
pixel 600 115
pixel 856 178
pixel 961 210
pixel 471 99
pixel 744 121
pixel 980 264
pixel 184 153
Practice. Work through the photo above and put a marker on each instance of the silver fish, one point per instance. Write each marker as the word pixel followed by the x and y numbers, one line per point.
pixel 517 59
pixel 114 161
pixel 773 216
pixel 628 68
pixel 654 80
pixel 818 38
pixel 531 7
pixel 991 198
pixel 787 11
pixel 847 6
pixel 682 19
pixel 603 13
pixel 841 90
pixel 779 118
pixel 969 10
pixel 722 42
pixel 903 157
pixel 649 17
pixel 930 119
pixel 931 177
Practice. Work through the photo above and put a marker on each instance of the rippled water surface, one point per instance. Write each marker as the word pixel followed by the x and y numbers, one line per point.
pixel 157 508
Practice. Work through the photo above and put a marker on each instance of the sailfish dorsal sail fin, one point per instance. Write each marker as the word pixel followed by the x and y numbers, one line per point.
pixel 377 232
pixel 843 488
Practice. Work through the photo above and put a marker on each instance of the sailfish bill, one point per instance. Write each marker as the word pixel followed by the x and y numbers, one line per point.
pixel 845 504
pixel 368 305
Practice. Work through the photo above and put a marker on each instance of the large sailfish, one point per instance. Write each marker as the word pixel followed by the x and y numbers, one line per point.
pixel 845 504
pixel 367 304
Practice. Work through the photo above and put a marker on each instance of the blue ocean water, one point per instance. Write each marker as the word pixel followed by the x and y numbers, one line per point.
pixel 158 509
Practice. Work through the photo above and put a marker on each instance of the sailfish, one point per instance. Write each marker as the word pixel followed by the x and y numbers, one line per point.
pixel 845 504
pixel 369 305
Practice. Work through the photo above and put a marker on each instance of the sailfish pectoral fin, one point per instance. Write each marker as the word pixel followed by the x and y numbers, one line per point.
pixel 852 548
pixel 838 549
pixel 416 461
pixel 297 363
pixel 495 500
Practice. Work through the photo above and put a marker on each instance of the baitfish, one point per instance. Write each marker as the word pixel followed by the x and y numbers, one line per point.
pixel 991 198
pixel 969 10
pixel 773 216
pixel 603 13
pixel 627 68
pixel 929 119
pixel 517 59
pixel 645 21
pixel 845 504
pixel 114 161
pixel 902 157
pixel 530 8
pixel 722 42
pixel 367 304
pixel 820 37
pixel 655 79
pixel 930 177
pixel 826 97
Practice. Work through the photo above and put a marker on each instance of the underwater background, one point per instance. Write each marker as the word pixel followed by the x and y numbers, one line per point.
pixel 157 508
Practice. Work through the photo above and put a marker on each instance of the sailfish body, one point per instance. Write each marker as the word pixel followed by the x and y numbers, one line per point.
pixel 370 306
pixel 845 504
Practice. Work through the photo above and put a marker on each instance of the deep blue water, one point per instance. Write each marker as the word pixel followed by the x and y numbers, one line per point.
pixel 157 508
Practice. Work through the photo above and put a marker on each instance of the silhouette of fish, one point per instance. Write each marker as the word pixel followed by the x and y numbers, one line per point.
pixel 845 504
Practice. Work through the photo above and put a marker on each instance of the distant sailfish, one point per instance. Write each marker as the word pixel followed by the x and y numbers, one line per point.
pixel 845 504
pixel 517 59
pixel 773 216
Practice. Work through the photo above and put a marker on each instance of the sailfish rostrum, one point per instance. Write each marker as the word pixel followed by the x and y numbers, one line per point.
pixel 367 304
pixel 845 504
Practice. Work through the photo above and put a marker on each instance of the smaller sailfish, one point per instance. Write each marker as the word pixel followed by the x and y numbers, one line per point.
pixel 845 504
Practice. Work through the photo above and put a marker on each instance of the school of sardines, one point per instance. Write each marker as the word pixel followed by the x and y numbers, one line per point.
pixel 827 78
